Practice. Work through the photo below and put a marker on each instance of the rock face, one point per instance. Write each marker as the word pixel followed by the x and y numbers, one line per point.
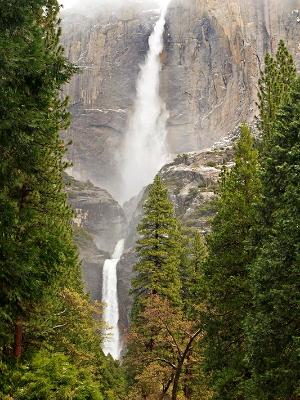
pixel 98 213
pixel 213 51
pixel 192 180
pixel 99 223
pixel 109 51
pixel 92 261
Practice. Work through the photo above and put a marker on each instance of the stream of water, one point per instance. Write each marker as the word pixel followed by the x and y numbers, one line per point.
pixel 111 344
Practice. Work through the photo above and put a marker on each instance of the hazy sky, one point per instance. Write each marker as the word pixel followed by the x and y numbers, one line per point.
pixel 70 3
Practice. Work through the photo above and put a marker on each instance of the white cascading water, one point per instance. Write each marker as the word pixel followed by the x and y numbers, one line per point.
pixel 144 154
pixel 145 149
pixel 111 344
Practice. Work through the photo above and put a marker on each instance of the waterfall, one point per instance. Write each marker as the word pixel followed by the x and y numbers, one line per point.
pixel 111 344
pixel 144 153
pixel 145 149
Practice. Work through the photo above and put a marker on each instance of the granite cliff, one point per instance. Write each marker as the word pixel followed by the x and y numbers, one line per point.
pixel 213 52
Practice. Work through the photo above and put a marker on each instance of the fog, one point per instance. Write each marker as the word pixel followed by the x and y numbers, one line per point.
pixel 89 6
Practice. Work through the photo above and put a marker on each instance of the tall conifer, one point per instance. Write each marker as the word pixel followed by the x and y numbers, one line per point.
pixel 36 239
pixel 226 274
pixel 275 85
pixel 194 255
pixel 273 325
pixel 158 249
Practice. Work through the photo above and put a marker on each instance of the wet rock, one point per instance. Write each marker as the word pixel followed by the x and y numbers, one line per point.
pixel 99 222
pixel 92 261
pixel 97 212
pixel 192 180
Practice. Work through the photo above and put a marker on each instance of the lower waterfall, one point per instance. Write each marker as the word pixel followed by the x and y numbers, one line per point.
pixel 111 344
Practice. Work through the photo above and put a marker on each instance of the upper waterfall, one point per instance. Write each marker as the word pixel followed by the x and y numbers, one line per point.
pixel 145 149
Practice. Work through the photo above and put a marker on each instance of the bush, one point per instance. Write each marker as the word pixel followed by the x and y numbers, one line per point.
pixel 52 376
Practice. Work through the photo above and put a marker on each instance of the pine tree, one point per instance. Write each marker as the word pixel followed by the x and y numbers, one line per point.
pixel 273 326
pixel 226 274
pixel 194 255
pixel 36 238
pixel 156 273
pixel 158 250
pixel 275 85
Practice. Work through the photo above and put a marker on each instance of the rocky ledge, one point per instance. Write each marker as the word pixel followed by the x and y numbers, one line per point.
pixel 192 180
pixel 97 212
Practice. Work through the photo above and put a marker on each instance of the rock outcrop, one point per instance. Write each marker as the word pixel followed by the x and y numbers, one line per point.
pixel 192 180
pixel 97 212
pixel 213 52
pixel 92 261
pixel 99 222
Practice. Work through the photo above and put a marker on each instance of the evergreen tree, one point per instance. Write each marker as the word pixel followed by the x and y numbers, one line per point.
pixel 193 296
pixel 54 376
pixel 158 250
pixel 194 254
pixel 156 272
pixel 36 239
pixel 226 274
pixel 273 326
pixel 275 85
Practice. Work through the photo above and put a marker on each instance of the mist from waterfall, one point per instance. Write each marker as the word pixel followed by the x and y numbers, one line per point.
pixel 145 150
pixel 111 344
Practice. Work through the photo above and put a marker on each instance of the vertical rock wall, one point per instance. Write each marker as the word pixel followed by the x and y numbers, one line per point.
pixel 213 52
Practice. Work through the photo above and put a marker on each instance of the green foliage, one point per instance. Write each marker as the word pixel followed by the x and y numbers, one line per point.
pixel 272 327
pixel 36 239
pixel 275 85
pixel 191 271
pixel 226 275
pixel 52 376
pixel 158 250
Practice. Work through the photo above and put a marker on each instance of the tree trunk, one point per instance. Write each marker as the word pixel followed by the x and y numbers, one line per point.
pixel 187 378
pixel 18 338
pixel 176 379
pixel 180 365
pixel 166 388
